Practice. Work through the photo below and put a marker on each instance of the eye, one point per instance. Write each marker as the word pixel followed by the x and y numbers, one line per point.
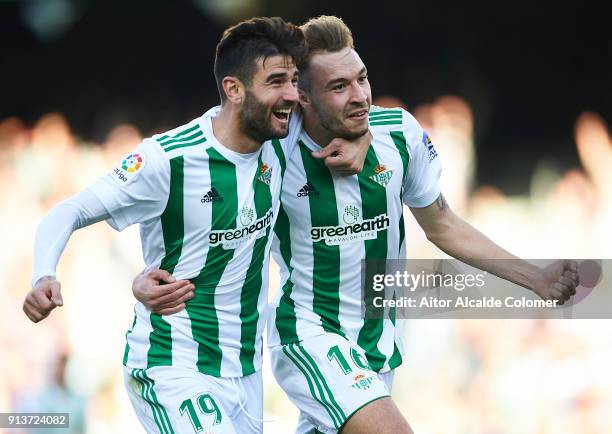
pixel 339 86
pixel 363 79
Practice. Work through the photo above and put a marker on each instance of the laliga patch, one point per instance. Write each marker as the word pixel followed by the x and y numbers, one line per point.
pixel 129 168
pixel 430 147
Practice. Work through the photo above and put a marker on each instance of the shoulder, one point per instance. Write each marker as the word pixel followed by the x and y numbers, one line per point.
pixel 181 140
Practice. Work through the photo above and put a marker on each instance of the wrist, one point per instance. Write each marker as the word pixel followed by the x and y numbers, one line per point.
pixel 39 279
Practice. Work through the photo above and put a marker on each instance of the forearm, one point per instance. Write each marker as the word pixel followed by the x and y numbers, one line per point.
pixel 56 228
pixel 462 241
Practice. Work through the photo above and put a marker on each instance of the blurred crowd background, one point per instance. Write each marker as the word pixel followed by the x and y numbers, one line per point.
pixel 517 101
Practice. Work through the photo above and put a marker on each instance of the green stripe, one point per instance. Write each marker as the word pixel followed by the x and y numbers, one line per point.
pixel 182 139
pixel 162 410
pixel 402 228
pixel 318 373
pixel 285 312
pixel 385 112
pixel 398 122
pixel 400 143
pixel 396 357
pixel 127 345
pixel 312 382
pixel 251 289
pixel 201 309
pixel 326 259
pixel 182 133
pixel 373 204
pixel 278 149
pixel 172 219
pixel 185 144
pixel 160 339
pixel 386 117
pixel 144 393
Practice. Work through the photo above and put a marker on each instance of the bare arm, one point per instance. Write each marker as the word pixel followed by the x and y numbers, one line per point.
pixel 459 239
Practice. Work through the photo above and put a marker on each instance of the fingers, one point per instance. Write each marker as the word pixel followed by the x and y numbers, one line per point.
pixel 174 306
pixel 341 165
pixel 161 276
pixel 42 299
pixel 561 292
pixel 573 266
pixel 573 276
pixel 32 311
pixel 56 295
pixel 327 151
pixel 179 291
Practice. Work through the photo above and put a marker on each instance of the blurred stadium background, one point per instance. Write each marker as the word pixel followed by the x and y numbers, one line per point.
pixel 516 97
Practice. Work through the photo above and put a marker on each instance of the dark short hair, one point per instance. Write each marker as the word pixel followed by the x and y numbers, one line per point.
pixel 326 33
pixel 242 45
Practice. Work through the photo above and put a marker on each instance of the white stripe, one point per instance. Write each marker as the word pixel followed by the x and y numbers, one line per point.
pixel 350 318
pixel 302 257
pixel 138 340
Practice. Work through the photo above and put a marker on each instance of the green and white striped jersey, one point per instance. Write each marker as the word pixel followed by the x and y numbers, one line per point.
pixel 328 224
pixel 206 214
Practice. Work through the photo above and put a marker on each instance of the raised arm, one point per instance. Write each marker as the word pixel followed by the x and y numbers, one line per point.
pixel 459 239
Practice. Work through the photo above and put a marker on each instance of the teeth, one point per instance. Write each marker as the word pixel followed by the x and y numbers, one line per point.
pixel 285 111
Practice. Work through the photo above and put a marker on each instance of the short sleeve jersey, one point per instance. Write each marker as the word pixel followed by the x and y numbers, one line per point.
pixel 329 224
pixel 206 214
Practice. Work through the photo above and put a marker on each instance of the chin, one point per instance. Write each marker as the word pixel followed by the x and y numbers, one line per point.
pixel 353 133
pixel 280 133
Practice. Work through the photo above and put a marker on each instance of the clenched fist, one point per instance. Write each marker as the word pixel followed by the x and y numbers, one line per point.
pixel 43 298
pixel 559 281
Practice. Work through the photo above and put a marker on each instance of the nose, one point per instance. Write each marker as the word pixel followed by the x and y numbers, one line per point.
pixel 291 94
pixel 358 94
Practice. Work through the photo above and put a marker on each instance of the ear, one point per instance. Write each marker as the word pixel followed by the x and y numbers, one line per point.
pixel 303 98
pixel 234 89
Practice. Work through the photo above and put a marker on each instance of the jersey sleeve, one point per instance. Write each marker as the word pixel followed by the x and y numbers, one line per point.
pixel 421 184
pixel 137 189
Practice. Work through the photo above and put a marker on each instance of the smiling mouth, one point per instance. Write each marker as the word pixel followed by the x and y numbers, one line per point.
pixel 282 114
pixel 359 114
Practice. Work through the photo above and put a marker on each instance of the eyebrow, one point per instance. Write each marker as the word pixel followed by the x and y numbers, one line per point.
pixel 344 79
pixel 277 75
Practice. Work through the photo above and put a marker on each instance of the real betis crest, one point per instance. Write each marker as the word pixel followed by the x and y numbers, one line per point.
pixel 265 174
pixel 381 176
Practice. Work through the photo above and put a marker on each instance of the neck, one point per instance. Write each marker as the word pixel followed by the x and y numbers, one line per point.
pixel 226 128
pixel 316 131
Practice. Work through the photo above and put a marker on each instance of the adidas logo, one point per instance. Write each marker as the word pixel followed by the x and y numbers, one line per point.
pixel 308 190
pixel 212 196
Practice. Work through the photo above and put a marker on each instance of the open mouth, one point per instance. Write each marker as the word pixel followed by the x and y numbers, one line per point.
pixel 282 114
pixel 358 115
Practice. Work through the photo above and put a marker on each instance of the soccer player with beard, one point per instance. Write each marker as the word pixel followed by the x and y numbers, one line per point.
pixel 206 196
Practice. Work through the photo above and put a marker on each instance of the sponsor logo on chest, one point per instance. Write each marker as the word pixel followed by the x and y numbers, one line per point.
pixel 251 229
pixel 354 228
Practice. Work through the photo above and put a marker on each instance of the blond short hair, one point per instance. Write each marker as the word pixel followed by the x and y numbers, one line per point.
pixel 323 34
